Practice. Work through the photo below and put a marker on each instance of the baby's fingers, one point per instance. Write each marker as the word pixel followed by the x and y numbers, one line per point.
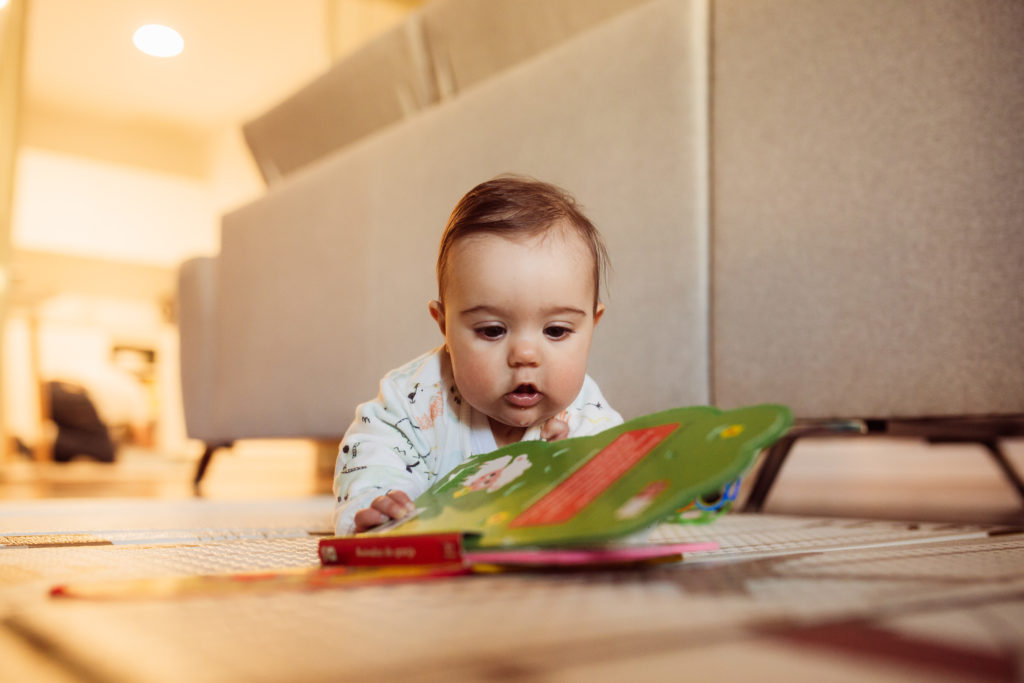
pixel 369 518
pixel 395 504
pixel 392 505
pixel 403 499
pixel 554 430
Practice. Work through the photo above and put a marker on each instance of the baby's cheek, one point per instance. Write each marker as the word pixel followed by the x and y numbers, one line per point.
pixel 568 378
pixel 473 377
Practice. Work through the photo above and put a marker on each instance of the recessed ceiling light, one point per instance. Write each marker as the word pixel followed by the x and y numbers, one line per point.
pixel 159 41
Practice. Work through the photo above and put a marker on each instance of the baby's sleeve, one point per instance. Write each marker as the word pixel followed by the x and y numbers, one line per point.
pixel 383 450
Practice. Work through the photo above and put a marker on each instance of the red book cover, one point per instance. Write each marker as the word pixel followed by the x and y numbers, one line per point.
pixel 374 550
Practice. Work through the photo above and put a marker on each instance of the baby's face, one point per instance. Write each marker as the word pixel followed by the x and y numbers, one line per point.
pixel 518 318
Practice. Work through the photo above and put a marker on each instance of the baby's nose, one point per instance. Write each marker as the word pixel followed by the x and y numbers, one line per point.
pixel 523 352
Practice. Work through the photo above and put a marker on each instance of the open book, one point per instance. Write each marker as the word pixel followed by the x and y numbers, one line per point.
pixel 584 492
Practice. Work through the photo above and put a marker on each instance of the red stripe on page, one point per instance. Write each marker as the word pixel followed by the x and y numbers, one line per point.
pixel 593 478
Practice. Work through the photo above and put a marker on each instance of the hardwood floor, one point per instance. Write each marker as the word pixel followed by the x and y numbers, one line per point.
pixel 874 478
pixel 256 469
pixel 896 478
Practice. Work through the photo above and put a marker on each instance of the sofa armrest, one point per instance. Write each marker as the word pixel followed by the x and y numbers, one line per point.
pixel 197 308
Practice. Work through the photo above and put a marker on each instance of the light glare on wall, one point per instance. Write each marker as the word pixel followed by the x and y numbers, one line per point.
pixel 159 41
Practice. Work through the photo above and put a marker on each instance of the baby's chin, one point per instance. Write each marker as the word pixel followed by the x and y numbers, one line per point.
pixel 525 423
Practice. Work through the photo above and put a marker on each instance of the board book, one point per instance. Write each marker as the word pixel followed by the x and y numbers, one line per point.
pixel 583 493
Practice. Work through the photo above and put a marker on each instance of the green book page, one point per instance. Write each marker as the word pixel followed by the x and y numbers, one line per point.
pixel 593 489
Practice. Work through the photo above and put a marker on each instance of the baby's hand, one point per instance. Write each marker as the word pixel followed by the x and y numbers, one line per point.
pixel 392 505
pixel 554 430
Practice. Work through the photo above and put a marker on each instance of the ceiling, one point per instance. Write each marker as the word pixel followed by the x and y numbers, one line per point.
pixel 240 57
pixel 84 76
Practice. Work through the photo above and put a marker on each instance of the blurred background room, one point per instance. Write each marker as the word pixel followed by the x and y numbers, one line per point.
pixel 116 166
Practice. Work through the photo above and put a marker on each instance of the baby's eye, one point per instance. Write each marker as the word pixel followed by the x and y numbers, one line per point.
pixel 557 331
pixel 491 332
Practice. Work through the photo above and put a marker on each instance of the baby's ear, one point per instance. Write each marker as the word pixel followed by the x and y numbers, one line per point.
pixel 598 312
pixel 437 313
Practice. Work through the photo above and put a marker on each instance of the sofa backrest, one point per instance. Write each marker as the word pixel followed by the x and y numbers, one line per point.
pixel 868 216
pixel 328 275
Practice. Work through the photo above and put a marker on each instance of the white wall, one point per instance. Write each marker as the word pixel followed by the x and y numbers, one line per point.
pixel 102 209
pixel 232 176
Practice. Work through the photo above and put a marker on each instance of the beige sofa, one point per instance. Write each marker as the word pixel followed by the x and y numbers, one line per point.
pixel 819 204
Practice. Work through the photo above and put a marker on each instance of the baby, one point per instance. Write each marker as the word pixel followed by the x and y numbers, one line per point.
pixel 519 272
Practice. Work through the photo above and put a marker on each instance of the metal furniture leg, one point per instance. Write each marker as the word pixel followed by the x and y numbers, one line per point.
pixel 204 462
pixel 774 458
pixel 1005 465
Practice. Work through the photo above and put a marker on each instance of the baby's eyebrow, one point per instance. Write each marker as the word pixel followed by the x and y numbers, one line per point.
pixel 565 310
pixel 489 310
pixel 499 312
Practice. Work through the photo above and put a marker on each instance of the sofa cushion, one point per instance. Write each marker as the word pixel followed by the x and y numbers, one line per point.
pixel 381 84
pixel 470 41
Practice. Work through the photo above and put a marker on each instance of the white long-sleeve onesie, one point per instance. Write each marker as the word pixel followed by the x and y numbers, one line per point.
pixel 419 428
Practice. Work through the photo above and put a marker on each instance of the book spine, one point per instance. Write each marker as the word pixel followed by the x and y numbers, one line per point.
pixel 375 551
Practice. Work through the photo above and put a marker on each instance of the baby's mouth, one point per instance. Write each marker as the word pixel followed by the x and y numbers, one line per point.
pixel 523 396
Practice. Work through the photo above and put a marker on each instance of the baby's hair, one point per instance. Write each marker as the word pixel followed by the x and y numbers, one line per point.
pixel 516 206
